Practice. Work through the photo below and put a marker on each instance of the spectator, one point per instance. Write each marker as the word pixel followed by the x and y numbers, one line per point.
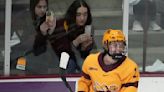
pixel 37 64
pixel 140 7
pixel 46 60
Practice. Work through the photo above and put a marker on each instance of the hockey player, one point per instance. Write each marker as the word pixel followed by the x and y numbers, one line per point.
pixel 111 70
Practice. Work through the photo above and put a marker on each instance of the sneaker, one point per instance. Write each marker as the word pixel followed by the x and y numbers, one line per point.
pixel 154 26
pixel 137 26
pixel 14 39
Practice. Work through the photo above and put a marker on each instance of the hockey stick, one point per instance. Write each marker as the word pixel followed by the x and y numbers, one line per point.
pixel 63 66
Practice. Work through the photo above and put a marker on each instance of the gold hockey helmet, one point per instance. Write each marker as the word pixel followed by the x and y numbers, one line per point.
pixel 112 36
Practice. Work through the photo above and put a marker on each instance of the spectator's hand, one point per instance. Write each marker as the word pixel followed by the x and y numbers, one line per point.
pixel 48 26
pixel 43 28
pixel 51 24
pixel 86 44
pixel 81 38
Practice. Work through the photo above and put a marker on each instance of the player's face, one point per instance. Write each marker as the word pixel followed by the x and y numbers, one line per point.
pixel 81 16
pixel 40 8
pixel 116 47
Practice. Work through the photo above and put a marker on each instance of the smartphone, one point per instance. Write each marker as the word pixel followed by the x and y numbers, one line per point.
pixel 49 16
pixel 88 29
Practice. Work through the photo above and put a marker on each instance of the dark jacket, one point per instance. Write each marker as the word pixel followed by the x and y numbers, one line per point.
pixel 61 40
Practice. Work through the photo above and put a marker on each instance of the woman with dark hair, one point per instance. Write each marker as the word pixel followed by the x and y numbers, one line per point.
pixel 33 65
pixel 39 64
pixel 69 35
pixel 77 17
pixel 39 9
pixel 72 13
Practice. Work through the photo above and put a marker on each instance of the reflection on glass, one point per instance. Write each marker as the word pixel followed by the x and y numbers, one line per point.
pixel 26 61
pixel 146 19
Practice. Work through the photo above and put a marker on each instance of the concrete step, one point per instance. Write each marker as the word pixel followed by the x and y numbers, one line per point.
pixel 63 5
pixel 98 8
pixel 114 22
pixel 153 40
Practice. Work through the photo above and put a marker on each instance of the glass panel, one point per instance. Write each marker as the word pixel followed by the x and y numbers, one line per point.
pixel 155 47
pixel 145 31
pixel 2 36
pixel 106 14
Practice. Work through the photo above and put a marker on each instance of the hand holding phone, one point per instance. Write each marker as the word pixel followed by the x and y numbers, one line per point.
pixel 50 21
pixel 49 17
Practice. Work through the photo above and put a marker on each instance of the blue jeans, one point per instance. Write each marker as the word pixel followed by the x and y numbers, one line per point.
pixel 72 66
